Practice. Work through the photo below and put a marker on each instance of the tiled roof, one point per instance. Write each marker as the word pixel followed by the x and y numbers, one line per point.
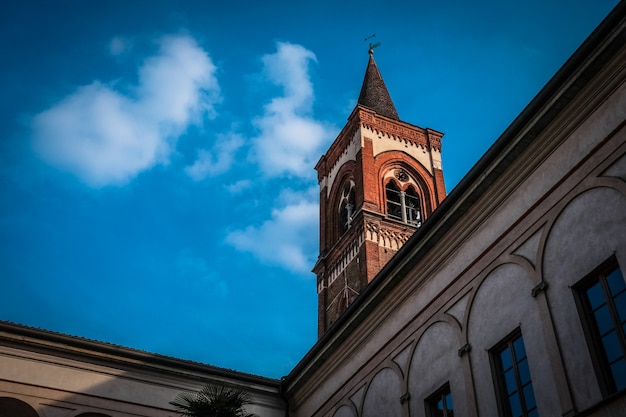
pixel 374 94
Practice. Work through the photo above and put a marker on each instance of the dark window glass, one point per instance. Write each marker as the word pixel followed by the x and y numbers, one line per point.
pixel 412 207
pixel 394 205
pixel 603 297
pixel 403 205
pixel 516 395
pixel 620 307
pixel 440 403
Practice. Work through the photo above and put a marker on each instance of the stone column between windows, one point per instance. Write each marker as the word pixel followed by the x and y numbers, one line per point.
pixel 403 206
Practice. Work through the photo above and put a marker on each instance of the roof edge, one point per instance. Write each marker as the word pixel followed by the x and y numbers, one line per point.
pixel 46 341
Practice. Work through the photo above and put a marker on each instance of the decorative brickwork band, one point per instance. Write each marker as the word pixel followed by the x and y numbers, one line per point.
pixel 386 237
pixel 412 134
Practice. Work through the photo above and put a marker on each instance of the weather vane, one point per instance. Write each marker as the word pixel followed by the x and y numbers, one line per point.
pixel 372 45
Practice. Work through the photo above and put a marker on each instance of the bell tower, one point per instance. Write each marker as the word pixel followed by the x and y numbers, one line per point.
pixel 379 181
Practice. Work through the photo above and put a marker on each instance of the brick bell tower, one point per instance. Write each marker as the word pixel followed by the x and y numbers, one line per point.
pixel 379 181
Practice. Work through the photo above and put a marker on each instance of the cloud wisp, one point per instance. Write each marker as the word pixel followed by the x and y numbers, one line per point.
pixel 284 239
pixel 288 144
pixel 218 160
pixel 289 140
pixel 106 137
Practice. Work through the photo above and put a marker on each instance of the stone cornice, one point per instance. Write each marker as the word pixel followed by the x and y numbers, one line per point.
pixel 426 138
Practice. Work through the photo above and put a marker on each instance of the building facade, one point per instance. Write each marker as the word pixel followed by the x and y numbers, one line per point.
pixel 508 299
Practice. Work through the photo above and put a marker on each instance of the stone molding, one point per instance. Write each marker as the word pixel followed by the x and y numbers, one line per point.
pixel 386 237
pixel 414 135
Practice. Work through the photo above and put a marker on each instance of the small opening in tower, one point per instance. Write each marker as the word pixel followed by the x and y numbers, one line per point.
pixel 346 207
pixel 413 211
pixel 394 200
pixel 403 205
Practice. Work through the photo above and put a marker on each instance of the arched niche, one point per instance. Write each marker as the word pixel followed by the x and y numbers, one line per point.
pixel 406 172
pixel 502 304
pixel 434 363
pixel 12 407
pixel 382 398
pixel 587 231
pixel 344 411
pixel 342 195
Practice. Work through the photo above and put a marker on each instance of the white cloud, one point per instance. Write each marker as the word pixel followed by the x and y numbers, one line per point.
pixel 290 139
pixel 289 143
pixel 179 83
pixel 217 161
pixel 238 186
pixel 106 137
pixel 285 239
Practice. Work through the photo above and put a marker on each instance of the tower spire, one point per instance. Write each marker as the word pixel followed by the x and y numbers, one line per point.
pixel 374 94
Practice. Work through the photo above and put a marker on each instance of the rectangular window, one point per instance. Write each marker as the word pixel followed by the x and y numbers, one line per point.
pixel 602 299
pixel 512 377
pixel 440 403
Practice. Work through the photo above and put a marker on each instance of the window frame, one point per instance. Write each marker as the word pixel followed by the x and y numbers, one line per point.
pixel 401 206
pixel 499 382
pixel 411 193
pixel 398 205
pixel 440 394
pixel 345 215
pixel 598 355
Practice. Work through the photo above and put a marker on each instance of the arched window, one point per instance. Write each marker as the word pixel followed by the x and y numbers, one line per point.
pixel 403 205
pixel 412 207
pixel 394 200
pixel 346 207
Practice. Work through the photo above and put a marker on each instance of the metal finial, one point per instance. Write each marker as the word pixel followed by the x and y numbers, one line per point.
pixel 372 45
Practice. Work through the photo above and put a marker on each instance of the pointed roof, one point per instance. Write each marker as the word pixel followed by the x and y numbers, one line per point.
pixel 374 94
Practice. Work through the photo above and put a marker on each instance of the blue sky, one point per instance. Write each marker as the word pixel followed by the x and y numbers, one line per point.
pixel 157 188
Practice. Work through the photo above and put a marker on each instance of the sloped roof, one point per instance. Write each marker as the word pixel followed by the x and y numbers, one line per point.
pixel 374 94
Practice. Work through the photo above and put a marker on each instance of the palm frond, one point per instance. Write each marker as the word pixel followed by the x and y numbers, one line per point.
pixel 213 401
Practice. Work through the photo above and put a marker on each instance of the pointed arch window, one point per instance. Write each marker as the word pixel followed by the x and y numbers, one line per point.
pixel 403 205
pixel 346 207
pixel 412 207
pixel 394 200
